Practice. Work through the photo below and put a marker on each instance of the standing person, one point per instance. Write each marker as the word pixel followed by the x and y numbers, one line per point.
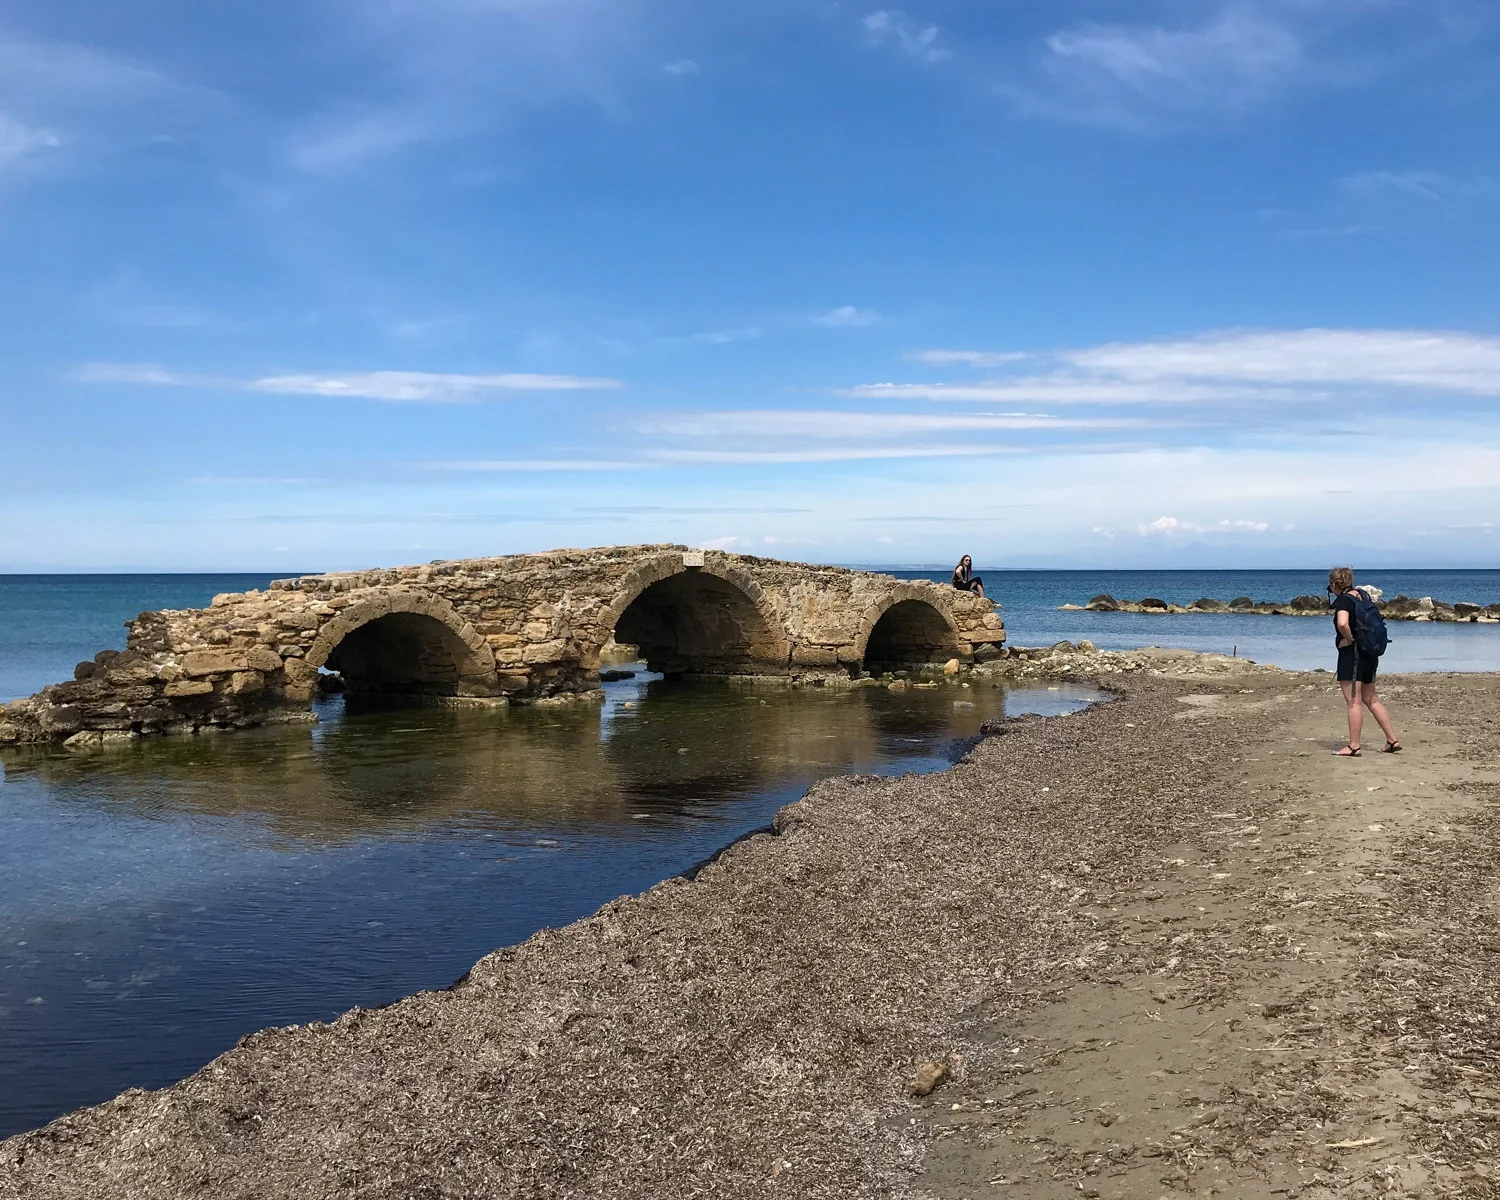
pixel 1356 667
pixel 964 578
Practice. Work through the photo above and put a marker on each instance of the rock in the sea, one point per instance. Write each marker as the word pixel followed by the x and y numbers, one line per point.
pixel 1087 647
pixel 951 667
pixel 1466 611
pixel 1103 602
pixel 1152 603
pixel 1308 604
pixel 1208 605
pixel 615 676
pixel 1063 648
pixel 1242 602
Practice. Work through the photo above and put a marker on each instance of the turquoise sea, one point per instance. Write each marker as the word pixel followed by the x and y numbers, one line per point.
pixel 161 900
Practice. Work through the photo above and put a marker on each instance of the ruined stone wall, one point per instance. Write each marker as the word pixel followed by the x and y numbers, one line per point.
pixel 522 627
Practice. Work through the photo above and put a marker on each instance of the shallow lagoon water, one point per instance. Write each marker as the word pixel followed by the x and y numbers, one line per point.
pixel 162 900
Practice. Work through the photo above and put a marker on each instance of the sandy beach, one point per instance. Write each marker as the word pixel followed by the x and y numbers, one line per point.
pixel 1168 946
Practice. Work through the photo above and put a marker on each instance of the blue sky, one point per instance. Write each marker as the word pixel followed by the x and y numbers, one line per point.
pixel 333 283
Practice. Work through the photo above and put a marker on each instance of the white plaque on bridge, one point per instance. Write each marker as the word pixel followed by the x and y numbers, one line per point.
pixel 692 558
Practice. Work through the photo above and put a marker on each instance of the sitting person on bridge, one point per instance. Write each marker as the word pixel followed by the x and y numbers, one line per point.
pixel 964 578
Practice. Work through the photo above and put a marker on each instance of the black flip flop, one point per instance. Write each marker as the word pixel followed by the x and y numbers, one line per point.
pixel 1347 752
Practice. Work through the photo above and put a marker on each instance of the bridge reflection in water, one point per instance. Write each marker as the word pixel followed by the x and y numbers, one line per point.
pixel 164 899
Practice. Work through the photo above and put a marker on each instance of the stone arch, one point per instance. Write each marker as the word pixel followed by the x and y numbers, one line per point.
pixel 713 619
pixel 908 626
pixel 404 641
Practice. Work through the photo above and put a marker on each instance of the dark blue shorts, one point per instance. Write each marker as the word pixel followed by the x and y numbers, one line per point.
pixel 1355 667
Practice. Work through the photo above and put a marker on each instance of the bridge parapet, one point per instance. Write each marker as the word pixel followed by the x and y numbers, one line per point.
pixel 521 627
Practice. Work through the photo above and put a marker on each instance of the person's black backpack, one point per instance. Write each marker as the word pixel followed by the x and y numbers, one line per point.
pixel 1370 635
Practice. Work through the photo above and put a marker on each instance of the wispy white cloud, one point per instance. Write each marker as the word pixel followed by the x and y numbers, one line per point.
pixel 1052 389
pixel 18 141
pixel 1147 76
pixel 537 465
pixel 718 337
pixel 972 358
pixel 1427 187
pixel 340 140
pixel 1444 360
pixel 424 387
pixel 782 423
pixel 142 374
pixel 847 316
pixel 892 27
pixel 1172 526
pixel 419 387
pixel 70 98
pixel 815 454
pixel 443 70
pixel 683 66
pixel 1238 367
pixel 661 457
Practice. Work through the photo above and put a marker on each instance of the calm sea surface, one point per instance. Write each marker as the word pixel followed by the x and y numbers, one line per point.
pixel 159 901
pixel 1030 599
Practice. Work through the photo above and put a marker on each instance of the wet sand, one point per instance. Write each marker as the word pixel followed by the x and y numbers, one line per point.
pixel 1167 946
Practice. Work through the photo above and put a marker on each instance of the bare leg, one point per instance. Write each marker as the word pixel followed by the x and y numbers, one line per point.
pixel 1371 701
pixel 979 589
pixel 1355 712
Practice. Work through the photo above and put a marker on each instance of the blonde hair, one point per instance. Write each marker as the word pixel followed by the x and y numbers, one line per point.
pixel 1340 580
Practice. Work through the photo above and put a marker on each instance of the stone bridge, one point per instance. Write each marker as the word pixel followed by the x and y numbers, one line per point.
pixel 522 628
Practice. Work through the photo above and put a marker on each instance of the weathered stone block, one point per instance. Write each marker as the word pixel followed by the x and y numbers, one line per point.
pixel 64 718
pixel 135 673
pixel 299 670
pixel 545 652
pixel 262 658
pixel 243 683
pixel 181 688
pixel 214 662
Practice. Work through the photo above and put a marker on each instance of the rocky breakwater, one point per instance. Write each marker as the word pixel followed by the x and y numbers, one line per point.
pixel 1399 608
pixel 1084 661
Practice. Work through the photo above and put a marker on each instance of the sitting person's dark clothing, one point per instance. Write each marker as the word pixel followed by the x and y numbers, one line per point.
pixel 964 578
